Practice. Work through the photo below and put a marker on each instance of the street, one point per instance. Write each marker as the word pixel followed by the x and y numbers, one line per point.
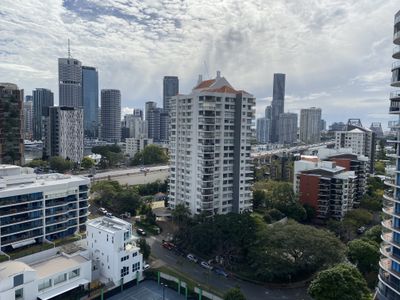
pixel 217 282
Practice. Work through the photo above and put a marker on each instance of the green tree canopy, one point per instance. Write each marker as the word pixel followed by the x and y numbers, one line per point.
pixel 87 163
pixel 374 234
pixel 342 282
pixel 364 254
pixel 181 214
pixel 60 164
pixel 151 154
pixel 111 155
pixel 37 163
pixel 234 294
pixel 145 248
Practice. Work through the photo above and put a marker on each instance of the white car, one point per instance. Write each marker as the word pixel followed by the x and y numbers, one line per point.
pixel 146 266
pixel 205 265
pixel 192 258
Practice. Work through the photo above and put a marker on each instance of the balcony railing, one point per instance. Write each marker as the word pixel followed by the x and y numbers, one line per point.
pixel 395 65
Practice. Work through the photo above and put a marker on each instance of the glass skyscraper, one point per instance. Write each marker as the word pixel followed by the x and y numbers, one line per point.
pixel 90 96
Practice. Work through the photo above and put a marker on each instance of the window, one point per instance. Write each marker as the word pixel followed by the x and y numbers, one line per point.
pixel 74 273
pixel 45 284
pixel 124 271
pixel 18 280
pixel 60 278
pixel 136 266
pixel 124 258
pixel 19 294
pixel 134 254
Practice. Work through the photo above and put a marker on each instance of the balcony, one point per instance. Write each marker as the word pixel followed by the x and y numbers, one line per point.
pixel 396 52
pixel 396 38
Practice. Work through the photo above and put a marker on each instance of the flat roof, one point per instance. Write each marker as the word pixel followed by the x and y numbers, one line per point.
pixel 56 264
pixel 12 267
pixel 109 224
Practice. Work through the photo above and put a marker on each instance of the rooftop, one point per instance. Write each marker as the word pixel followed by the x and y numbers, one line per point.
pixel 57 263
pixel 10 268
pixel 109 224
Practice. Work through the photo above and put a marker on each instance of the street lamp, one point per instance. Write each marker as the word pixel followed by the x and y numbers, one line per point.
pixel 163 290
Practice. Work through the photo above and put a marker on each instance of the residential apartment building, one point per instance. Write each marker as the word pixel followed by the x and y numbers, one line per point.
pixel 63 130
pixel 325 186
pixel 263 130
pixel 113 250
pixel 389 264
pixel 170 89
pixel 360 139
pixel 39 208
pixel 135 126
pixel 135 145
pixel 90 98
pixel 111 115
pixel 310 125
pixel 210 136
pixel 287 127
pixel 70 82
pixel 42 100
pixel 11 124
pixel 28 118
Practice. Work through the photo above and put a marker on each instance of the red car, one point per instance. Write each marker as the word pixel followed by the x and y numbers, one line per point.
pixel 168 245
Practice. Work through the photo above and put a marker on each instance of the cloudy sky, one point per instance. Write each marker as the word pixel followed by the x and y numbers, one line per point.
pixel 336 53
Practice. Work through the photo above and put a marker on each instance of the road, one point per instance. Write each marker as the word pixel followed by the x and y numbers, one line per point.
pixel 217 282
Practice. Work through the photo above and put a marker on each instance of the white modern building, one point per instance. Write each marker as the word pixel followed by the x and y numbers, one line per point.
pixel 64 133
pixel 210 134
pixel 36 209
pixel 135 145
pixel 310 125
pixel 136 125
pixel 113 250
pixel 45 275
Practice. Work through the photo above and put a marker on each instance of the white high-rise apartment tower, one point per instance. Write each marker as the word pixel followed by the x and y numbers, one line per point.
pixel 211 168
pixel 310 125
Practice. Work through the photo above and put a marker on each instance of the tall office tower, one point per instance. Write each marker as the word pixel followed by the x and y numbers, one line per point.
pixel 70 82
pixel 42 100
pixel 36 209
pixel 337 126
pixel 138 113
pixel 28 98
pixel 263 129
pixel 28 124
pixel 153 124
pixel 164 126
pixel 389 279
pixel 323 125
pixel 287 128
pixel 63 131
pixel 90 95
pixel 149 106
pixel 11 124
pixel 210 144
pixel 277 105
pixel 268 112
pixel 310 125
pixel 170 89
pixel 377 128
pixel 360 139
pixel 111 115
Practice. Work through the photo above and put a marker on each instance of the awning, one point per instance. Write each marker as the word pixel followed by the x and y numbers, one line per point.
pixel 23 243
pixel 62 289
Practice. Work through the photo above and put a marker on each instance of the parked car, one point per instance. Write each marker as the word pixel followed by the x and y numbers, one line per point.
pixel 168 245
pixel 145 266
pixel 205 265
pixel 361 230
pixel 220 272
pixel 109 214
pixel 102 210
pixel 141 232
pixel 192 258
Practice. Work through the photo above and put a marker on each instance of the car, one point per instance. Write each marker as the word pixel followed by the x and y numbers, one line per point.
pixel 361 230
pixel 192 258
pixel 168 245
pixel 205 265
pixel 145 266
pixel 109 214
pixel 102 210
pixel 220 272
pixel 141 232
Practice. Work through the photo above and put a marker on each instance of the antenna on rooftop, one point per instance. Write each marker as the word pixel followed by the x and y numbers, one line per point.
pixel 69 49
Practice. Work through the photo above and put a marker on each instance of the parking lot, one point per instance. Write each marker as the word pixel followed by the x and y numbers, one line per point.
pixel 147 290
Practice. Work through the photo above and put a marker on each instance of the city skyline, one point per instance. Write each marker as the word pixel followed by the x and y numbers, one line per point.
pixel 145 39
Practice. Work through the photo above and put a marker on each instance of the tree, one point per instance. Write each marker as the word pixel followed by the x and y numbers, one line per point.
pixel 374 234
pixel 380 168
pixel 381 152
pixel 87 163
pixel 145 248
pixel 60 164
pixel 259 197
pixel 37 163
pixel 234 294
pixel 311 212
pixel 181 214
pixel 151 154
pixel 359 217
pixel 111 155
pixel 343 282
pixel 364 254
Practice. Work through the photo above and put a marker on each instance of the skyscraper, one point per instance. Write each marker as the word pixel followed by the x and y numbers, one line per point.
pixel 138 113
pixel 263 127
pixel 90 94
pixel 153 120
pixel 149 106
pixel 389 279
pixel 63 131
pixel 310 125
pixel 210 144
pixel 11 124
pixel 70 82
pixel 135 125
pixel 28 117
pixel 42 100
pixel 170 89
pixel 277 105
pixel 287 128
pixel 111 115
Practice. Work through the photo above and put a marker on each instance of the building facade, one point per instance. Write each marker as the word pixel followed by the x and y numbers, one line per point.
pixel 135 145
pixel 113 250
pixel 170 89
pixel 111 115
pixel 42 100
pixel 63 131
pixel 277 105
pixel 90 97
pixel 28 120
pixel 70 82
pixel 310 125
pixel 263 129
pixel 287 127
pixel 210 164
pixel 39 208
pixel 11 124
pixel 389 272
pixel 153 120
